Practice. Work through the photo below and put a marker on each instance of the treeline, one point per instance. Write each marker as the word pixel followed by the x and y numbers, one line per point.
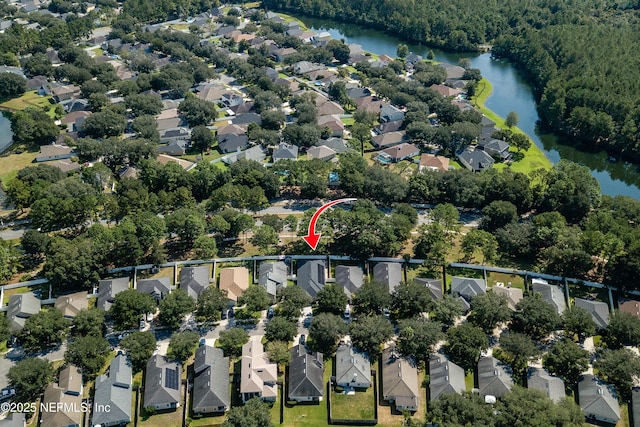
pixel 580 58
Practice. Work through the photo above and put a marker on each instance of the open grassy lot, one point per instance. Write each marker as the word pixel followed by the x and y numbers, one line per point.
pixel 533 157
pixel 359 406
pixel 11 162
pixel 30 99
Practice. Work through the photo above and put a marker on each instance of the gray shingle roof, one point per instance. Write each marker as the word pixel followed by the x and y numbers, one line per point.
pixel 494 378
pixel 311 277
pixel 14 419
pixel 635 406
pixel 194 280
pixel 540 379
pixel 285 151
pixel 388 273
pixel 71 304
pixel 108 289
pixel 599 311
pixel 467 287
pixel 113 389
pixel 352 367
pixel 445 377
pixel 399 379
pixel 273 276
pixel 161 387
pixel 434 287
pixel 598 399
pixel 552 294
pixel 157 288
pixel 211 381
pixel 350 278
pixel 20 308
pixel 305 373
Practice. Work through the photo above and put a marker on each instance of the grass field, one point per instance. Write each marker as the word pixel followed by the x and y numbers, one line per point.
pixel 30 99
pixel 354 407
pixel 534 158
pixel 11 163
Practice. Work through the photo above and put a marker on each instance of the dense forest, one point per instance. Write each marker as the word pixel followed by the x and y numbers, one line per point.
pixel 580 57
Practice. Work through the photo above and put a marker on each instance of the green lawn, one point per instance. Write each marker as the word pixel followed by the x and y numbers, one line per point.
pixel 355 407
pixel 305 414
pixel 30 99
pixel 534 158
pixel 11 163
pixel 469 381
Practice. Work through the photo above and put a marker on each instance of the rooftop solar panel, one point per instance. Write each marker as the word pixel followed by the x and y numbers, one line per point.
pixel 171 378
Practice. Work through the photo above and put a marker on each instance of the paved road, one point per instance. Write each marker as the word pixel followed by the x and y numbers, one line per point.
pixel 15 355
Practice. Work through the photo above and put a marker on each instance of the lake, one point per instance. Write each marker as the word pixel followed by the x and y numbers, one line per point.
pixel 510 93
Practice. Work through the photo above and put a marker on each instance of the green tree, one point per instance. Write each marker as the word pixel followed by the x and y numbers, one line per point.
pixel 256 298
pixel 461 410
pixel 196 111
pixel 432 243
pixel 447 310
pixel 371 299
pixel 88 322
pixel 418 337
pixel 128 306
pixel 202 138
pixel 578 323
pixel 43 330
pixel 174 307
pixel 278 352
pixel 265 238
pixel 210 304
pixel 519 349
pixel 143 105
pixel 512 119
pixel 619 367
pixel 182 345
pixel 33 127
pixel 104 124
pixel 402 51
pixel 291 301
pixel 205 247
pixel 11 86
pixel 369 332
pixel 5 334
pixel 139 347
pixel 623 329
pixel 254 413
pixel 325 331
pixel 489 310
pixel 30 376
pixel 9 260
pixel 480 239
pixel 447 216
pixel 566 359
pixel 89 353
pixel 280 329
pixel 537 409
pixel 232 340
pixel 534 317
pixel 331 299
pixel 465 344
pixel 409 299
pixel 498 214
pixel 188 224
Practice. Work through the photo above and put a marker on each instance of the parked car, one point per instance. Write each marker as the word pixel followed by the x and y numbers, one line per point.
pixel 270 313
pixel 303 339
pixel 142 325
pixel 149 317
pixel 7 393
pixel 202 342
pixel 223 315
pixel 231 313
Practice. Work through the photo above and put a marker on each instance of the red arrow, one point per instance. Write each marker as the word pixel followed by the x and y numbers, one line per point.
pixel 312 238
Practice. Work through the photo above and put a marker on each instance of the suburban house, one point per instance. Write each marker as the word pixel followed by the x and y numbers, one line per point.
pixel 453 71
pixel 540 379
pixel 257 153
pixel 598 400
pixel 446 91
pixel 598 310
pixel 108 289
pixel 230 142
pixel 162 384
pixel 494 378
pixel 635 407
pixel 65 396
pixel 467 287
pixel 184 164
pixel 629 306
pixel 285 152
pixel 210 393
pixel 321 152
pixel 311 277
pixel 399 380
pixel 432 162
pixel 514 295
pixel 497 148
pixel 257 376
pixel 158 288
pixel 70 305
pixel 386 127
pixel 398 153
pixel 14 419
pixel 282 53
pixel 20 308
pixel 353 369
pixel 388 273
pixel 113 389
pixel 334 123
pixel 445 377
pixel 234 280
pixel 54 152
pixel 350 278
pixel 388 139
pixel 389 113
pixel 231 99
pixel 551 294
pixel 176 147
pixel 306 380
pixel 273 276
pixel 336 144
pixel 194 280
pixel 175 134
pixel 434 286
pixel 475 160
